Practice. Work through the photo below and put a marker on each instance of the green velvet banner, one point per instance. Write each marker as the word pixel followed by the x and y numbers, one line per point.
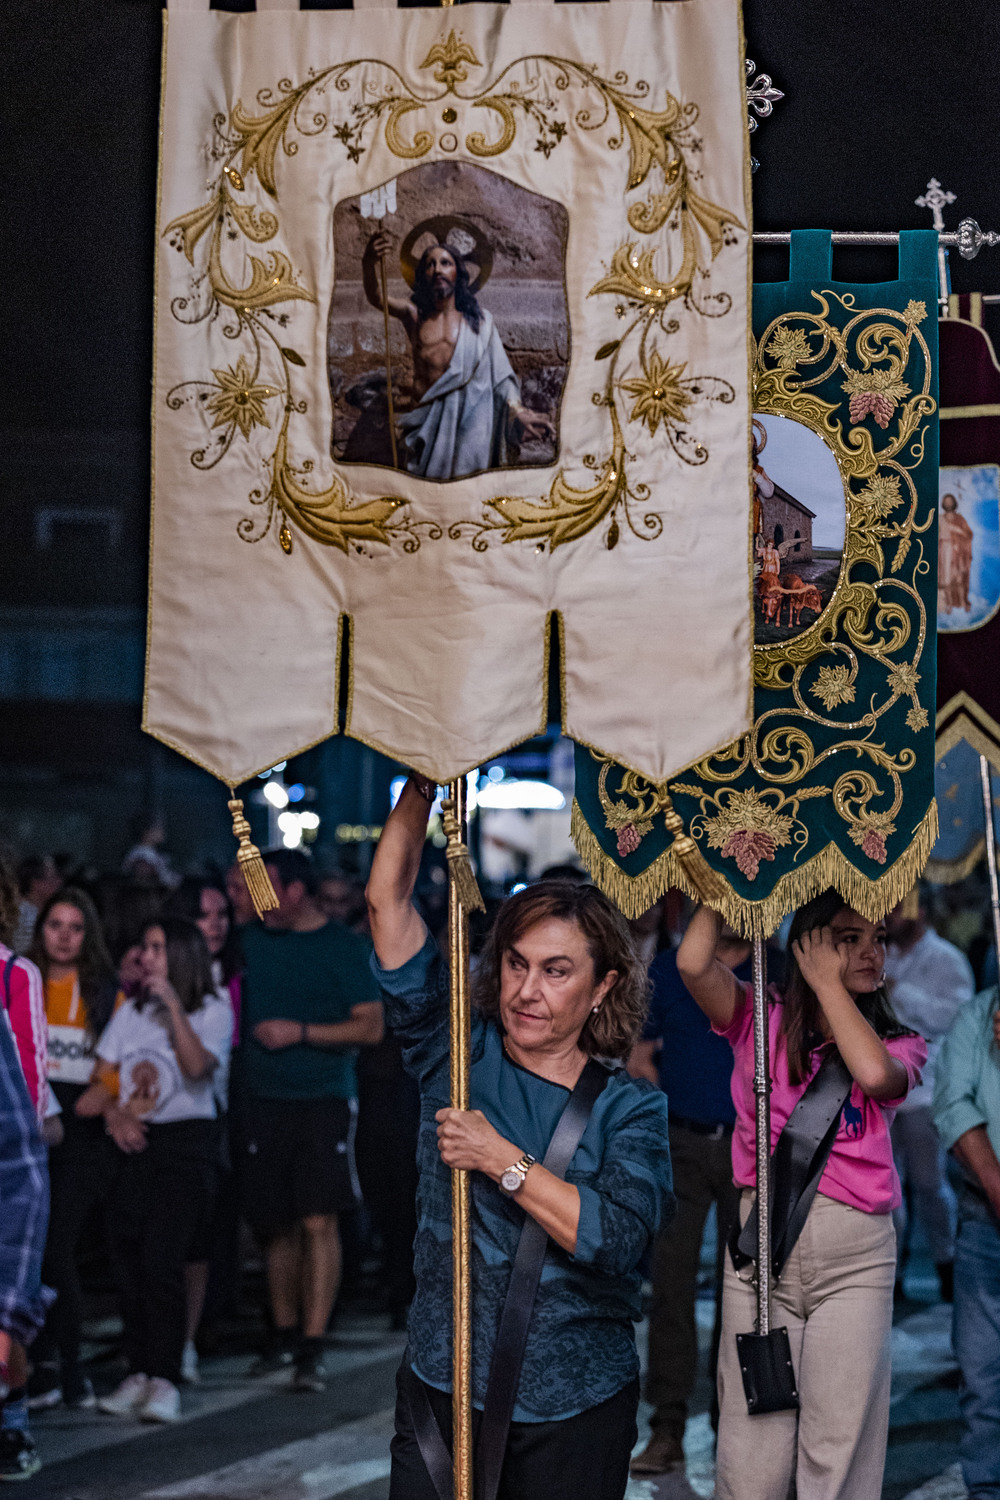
pixel 834 785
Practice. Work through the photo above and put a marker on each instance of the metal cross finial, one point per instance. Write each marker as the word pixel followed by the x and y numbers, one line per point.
pixel 762 96
pixel 935 198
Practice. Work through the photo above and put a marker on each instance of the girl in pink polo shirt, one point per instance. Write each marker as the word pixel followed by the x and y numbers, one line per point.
pixel 835 1290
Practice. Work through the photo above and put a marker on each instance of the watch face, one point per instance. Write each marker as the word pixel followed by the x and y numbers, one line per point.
pixel 511 1180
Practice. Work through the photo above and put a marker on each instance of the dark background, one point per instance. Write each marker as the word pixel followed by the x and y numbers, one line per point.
pixel 879 97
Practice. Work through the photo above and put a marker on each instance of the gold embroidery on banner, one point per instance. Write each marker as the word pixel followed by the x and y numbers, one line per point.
pixel 539 91
pixel 876 615
pixel 872 897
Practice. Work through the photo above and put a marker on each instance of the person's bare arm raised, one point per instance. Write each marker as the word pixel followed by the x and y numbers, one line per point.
pixel 398 930
pixel 713 985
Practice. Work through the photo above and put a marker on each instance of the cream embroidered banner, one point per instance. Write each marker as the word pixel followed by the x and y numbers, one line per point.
pixel 451 337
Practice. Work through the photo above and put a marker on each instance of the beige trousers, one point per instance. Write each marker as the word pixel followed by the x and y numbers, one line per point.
pixel 835 1299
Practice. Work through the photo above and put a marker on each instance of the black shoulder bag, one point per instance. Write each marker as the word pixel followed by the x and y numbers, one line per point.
pixel 797 1164
pixel 512 1334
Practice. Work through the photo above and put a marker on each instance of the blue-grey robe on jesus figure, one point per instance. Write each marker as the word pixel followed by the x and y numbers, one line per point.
pixel 460 424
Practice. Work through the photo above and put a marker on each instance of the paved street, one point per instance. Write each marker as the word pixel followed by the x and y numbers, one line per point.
pixel 243 1439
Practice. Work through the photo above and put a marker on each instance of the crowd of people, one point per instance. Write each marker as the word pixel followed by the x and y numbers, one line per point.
pixel 185 1069
pixel 174 1069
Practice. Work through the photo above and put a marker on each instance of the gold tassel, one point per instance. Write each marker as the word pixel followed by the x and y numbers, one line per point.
pixel 459 864
pixel 249 860
pixel 709 885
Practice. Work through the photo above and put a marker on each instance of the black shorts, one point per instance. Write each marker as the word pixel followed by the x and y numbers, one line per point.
pixel 298 1160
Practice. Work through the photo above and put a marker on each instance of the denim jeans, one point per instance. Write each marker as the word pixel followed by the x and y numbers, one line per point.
pixel 977 1347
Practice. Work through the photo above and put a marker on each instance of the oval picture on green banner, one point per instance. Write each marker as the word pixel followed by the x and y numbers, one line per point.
pixel 798 525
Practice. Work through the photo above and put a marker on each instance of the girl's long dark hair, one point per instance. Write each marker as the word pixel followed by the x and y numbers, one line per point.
pixel 189 967
pixel 186 903
pixel 94 969
pixel 800 1018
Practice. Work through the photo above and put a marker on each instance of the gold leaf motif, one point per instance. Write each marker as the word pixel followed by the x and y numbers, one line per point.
pixel 567 512
pixel 632 274
pixel 330 516
pixel 257 225
pixel 259 136
pixel 270 283
pixel 192 226
pixel 648 134
pixel 903 679
pixel 833 686
pixel 881 495
pixel 788 346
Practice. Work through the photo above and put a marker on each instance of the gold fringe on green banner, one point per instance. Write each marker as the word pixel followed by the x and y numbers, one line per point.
pixel 634 894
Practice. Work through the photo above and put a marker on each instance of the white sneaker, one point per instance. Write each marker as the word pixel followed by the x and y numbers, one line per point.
pixel 162 1403
pixel 128 1398
pixel 189 1365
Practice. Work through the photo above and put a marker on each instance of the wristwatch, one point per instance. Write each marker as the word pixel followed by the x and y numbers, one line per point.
pixel 514 1176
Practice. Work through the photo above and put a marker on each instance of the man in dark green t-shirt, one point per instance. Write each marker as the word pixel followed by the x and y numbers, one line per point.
pixel 309 1001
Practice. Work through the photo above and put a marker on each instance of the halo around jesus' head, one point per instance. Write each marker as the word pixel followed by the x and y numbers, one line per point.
pixel 455 233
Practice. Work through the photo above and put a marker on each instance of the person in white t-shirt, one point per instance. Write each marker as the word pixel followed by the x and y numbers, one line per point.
pixel 167 1044
pixel 928 980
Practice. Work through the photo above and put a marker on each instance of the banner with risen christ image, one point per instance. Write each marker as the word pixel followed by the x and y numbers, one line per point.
pixel 452 340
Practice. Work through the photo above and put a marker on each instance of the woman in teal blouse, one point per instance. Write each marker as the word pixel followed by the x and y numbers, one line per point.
pixel 560 982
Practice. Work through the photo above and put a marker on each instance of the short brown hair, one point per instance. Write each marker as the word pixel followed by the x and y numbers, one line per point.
pixel 616 1027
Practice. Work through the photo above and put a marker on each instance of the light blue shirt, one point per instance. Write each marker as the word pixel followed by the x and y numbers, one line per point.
pixel 967 1084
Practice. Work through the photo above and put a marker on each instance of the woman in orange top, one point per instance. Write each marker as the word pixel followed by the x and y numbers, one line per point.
pixel 80 997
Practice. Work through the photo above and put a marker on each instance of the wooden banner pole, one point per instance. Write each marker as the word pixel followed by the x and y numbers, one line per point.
pixel 461 1238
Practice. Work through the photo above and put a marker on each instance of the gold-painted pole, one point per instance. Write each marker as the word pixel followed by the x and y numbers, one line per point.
pixel 461 1238
pixel 388 363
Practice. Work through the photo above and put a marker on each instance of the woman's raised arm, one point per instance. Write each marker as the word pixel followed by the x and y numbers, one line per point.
pixel 398 930
pixel 713 985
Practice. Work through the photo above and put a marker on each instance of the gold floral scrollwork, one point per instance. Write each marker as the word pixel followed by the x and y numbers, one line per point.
pixel 871 349
pixel 642 386
pixel 630 820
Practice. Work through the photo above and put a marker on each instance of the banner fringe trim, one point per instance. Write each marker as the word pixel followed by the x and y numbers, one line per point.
pixel 634 894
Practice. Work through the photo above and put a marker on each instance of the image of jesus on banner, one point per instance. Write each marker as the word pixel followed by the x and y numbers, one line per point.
pixel 466 413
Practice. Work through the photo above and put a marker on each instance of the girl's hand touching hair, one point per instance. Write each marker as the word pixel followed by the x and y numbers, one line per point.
pixel 821 962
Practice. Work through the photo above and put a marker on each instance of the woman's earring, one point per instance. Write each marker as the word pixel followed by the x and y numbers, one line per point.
pixel 596 1009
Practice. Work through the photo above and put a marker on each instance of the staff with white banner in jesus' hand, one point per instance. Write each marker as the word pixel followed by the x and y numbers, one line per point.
pixel 569 1159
